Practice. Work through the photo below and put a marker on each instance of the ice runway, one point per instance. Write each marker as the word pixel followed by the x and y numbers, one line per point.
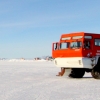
pixel 37 80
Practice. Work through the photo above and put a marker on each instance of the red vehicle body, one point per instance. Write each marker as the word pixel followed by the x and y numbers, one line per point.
pixel 79 52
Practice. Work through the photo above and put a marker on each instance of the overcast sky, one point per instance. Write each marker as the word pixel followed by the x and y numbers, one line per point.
pixel 28 27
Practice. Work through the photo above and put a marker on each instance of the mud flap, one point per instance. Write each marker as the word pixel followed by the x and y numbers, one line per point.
pixel 64 72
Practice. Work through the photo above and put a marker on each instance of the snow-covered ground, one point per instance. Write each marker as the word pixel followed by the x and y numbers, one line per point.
pixel 37 80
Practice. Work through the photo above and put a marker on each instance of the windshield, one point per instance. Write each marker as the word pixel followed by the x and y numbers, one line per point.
pixel 64 45
pixel 77 44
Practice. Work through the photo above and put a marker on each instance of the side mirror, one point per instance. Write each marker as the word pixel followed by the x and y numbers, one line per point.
pixel 55 46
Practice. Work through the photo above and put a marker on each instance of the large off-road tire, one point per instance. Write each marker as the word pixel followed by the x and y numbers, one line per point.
pixel 77 73
pixel 95 74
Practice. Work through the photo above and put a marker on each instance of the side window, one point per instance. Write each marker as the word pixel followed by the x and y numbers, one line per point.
pixel 64 45
pixel 87 44
pixel 97 42
pixel 76 45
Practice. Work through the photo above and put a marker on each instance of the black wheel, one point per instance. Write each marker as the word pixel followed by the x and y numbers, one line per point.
pixel 96 70
pixel 77 73
pixel 95 74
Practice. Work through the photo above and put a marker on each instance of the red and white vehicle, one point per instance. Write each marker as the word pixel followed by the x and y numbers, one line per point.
pixel 77 53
